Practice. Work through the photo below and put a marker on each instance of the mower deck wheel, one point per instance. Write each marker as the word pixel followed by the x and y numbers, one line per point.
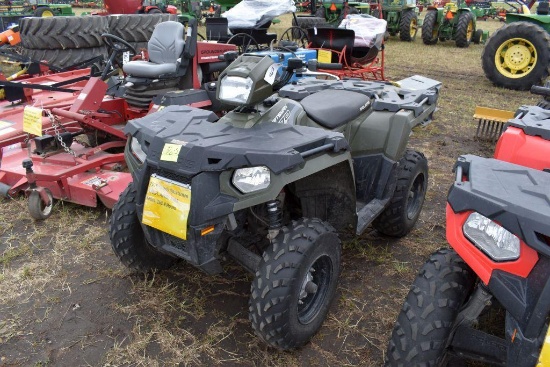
pixel 37 208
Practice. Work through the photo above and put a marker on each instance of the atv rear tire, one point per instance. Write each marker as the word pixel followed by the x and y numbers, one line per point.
pixel 517 56
pixel 63 32
pixel 430 28
pixel 408 26
pixel 65 58
pixel 465 29
pixel 128 240
pixel 424 324
pixel 295 284
pixel 136 27
pixel 405 206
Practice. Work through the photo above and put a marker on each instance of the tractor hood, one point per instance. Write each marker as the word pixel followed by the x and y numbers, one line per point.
pixel 187 141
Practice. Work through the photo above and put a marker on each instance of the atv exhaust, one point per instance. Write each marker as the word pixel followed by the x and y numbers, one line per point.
pixel 490 122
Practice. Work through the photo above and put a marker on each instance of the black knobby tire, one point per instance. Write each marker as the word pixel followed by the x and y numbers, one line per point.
pixel 136 27
pixel 63 32
pixel 154 11
pixel 128 240
pixel 408 18
pixel 39 12
pixel 65 58
pixel 282 281
pixel 476 38
pixel 37 208
pixel 532 33
pixel 405 206
pixel 321 12
pixel 462 39
pixel 309 22
pixel 423 326
pixel 430 28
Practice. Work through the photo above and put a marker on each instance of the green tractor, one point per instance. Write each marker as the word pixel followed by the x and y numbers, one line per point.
pixel 329 12
pixel 455 22
pixel 402 18
pixel 517 55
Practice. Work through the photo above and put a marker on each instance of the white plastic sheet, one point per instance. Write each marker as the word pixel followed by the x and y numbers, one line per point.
pixel 248 12
pixel 369 31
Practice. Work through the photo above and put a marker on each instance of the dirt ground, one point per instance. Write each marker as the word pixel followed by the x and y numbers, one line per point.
pixel 65 300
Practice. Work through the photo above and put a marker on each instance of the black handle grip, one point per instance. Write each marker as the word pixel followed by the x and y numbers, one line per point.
pixel 329 66
pixel 541 91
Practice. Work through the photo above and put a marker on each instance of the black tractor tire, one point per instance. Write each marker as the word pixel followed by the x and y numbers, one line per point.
pixel 405 206
pixel 351 10
pixel 154 11
pixel 408 18
pixel 462 39
pixel 37 208
pixel 43 11
pixel 295 284
pixel 128 240
pixel 321 12
pixel 59 33
pixel 136 27
pixel 65 58
pixel 476 38
pixel 309 22
pixel 424 324
pixel 430 28
pixel 524 31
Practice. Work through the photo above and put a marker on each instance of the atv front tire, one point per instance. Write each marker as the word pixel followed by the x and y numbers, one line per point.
pixel 517 56
pixel 408 26
pixel 295 284
pixel 464 30
pixel 128 240
pixel 430 28
pixel 405 206
pixel 423 326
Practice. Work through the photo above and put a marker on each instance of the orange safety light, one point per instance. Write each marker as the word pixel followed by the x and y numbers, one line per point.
pixel 449 15
pixel 211 10
pixel 207 230
pixel 332 7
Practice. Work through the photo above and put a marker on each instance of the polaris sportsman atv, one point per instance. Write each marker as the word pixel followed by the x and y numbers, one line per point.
pixel 271 183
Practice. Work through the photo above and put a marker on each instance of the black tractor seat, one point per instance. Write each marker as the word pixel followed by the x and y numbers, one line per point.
pixel 334 108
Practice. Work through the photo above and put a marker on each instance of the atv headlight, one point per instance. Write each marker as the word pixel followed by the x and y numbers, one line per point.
pixel 251 179
pixel 491 238
pixel 135 148
pixel 235 89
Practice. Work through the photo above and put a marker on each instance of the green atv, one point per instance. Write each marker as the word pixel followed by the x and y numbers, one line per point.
pixel 517 55
pixel 455 22
pixel 402 18
pixel 270 184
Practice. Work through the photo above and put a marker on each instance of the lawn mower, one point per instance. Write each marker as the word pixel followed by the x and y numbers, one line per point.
pixel 498 225
pixel 270 183
pixel 77 152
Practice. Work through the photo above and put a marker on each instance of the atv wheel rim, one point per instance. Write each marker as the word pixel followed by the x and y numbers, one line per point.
pixel 313 290
pixel 516 58
pixel 413 27
pixel 47 14
pixel 470 30
pixel 415 195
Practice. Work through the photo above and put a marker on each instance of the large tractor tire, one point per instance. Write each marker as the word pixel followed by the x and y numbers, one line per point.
pixel 65 58
pixel 408 26
pixel 136 27
pixel 128 240
pixel 309 22
pixel 517 56
pixel 465 29
pixel 43 11
pixel 295 284
pixel 430 28
pixel 59 33
pixel 424 325
pixel 405 206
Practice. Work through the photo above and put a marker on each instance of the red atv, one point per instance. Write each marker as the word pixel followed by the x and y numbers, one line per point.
pixel 498 225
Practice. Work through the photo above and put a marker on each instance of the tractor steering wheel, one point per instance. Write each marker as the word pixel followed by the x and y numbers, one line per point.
pixel 117 46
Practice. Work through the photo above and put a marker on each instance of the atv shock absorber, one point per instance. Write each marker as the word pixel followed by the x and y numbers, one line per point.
pixel 274 217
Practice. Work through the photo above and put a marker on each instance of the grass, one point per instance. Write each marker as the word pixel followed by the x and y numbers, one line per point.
pixel 184 317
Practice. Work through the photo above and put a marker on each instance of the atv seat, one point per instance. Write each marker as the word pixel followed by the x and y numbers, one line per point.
pixel 165 50
pixel 334 108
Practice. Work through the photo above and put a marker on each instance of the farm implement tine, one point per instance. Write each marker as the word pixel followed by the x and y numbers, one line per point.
pixel 490 122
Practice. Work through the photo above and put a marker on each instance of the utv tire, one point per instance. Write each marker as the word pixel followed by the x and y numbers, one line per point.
pixel 409 26
pixel 59 33
pixel 405 206
pixel 37 208
pixel 136 27
pixel 65 58
pixel 423 326
pixel 517 56
pixel 430 28
pixel 464 30
pixel 295 284
pixel 128 240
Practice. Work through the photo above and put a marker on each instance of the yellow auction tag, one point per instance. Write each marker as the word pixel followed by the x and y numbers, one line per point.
pixel 324 56
pixel 166 206
pixel 170 152
pixel 32 120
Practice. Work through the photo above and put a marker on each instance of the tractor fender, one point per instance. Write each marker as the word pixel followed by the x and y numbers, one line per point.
pixel 432 7
pixel 464 10
pixel 540 20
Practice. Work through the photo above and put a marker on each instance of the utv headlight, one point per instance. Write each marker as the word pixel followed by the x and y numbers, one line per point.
pixel 135 148
pixel 251 179
pixel 491 238
pixel 234 89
